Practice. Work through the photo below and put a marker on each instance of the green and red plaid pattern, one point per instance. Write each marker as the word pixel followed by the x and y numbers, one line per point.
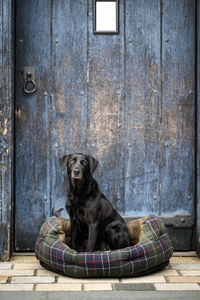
pixel 154 249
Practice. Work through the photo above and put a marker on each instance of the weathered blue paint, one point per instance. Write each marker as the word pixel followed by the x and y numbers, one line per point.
pixel 178 107
pixel 126 99
pixel 69 87
pixel 6 126
pixel 105 135
pixel 32 123
pixel 142 107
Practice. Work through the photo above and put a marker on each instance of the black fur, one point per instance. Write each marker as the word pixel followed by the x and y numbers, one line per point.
pixel 92 216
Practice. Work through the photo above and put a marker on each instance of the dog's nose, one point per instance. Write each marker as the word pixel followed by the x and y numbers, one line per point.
pixel 76 172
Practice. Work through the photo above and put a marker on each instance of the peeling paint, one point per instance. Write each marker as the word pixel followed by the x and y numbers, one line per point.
pixel 5 126
pixel 19 113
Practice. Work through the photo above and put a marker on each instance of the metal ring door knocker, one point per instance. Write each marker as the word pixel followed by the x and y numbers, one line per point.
pixel 29 74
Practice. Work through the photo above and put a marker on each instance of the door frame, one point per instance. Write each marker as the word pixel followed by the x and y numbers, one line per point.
pixel 197 140
pixel 7 94
pixel 6 127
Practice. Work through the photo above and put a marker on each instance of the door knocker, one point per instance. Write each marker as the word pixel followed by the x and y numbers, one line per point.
pixel 29 80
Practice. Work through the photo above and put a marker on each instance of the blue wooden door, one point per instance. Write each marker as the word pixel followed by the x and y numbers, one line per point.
pixel 127 99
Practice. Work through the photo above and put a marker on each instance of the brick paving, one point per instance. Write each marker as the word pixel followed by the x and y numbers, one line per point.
pixel 24 273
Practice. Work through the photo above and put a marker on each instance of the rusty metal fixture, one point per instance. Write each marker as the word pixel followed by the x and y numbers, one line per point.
pixel 29 74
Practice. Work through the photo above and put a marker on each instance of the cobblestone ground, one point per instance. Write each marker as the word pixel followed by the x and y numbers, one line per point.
pixel 24 273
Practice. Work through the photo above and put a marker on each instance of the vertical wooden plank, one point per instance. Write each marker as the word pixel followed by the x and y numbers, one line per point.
pixel 106 108
pixel 6 127
pixel 198 129
pixel 178 106
pixel 69 101
pixel 142 136
pixel 32 162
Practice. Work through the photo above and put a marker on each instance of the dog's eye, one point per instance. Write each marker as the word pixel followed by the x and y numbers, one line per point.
pixel 72 161
pixel 84 162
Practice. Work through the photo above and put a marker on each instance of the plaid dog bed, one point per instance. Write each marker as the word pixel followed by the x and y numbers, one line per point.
pixel 152 251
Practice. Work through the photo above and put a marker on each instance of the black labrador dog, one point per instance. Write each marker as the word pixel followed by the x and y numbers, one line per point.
pixel 92 216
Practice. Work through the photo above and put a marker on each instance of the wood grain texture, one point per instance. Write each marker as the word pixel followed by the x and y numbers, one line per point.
pixel 69 87
pixel 106 109
pixel 6 126
pixel 142 121
pixel 178 107
pixel 32 169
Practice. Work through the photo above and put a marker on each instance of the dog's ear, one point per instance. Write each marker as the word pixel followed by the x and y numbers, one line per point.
pixel 93 164
pixel 63 161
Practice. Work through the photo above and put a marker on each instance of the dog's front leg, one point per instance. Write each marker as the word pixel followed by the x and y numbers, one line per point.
pixel 93 230
pixel 74 234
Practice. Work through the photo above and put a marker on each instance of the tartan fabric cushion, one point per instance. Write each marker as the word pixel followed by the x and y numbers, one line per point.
pixel 154 249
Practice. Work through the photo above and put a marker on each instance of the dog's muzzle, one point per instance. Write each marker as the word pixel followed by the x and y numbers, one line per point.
pixel 77 174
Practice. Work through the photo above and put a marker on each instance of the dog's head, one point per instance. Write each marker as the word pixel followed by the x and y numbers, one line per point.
pixel 79 166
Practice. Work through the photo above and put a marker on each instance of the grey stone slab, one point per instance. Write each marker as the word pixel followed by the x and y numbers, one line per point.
pixel 133 287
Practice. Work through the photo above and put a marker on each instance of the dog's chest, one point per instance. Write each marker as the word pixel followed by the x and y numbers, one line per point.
pixel 83 214
pixel 80 214
pixel 85 211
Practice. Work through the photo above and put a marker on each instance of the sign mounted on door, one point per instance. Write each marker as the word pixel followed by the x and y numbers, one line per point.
pixel 106 16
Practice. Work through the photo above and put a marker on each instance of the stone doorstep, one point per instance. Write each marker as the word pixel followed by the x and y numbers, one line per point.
pixel 184 254
pixel 189 272
pixel 185 266
pixel 133 287
pixel 176 286
pixel 3 279
pixel 184 260
pixel 24 273
pixel 63 279
pixel 27 266
pixel 144 279
pixel 182 279
pixel 16 287
pixel 59 287
pixel 97 287
pixel 23 258
pixel 45 272
pixel 10 273
pixel 100 287
pixel 5 266
pixel 164 272
pixel 33 279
